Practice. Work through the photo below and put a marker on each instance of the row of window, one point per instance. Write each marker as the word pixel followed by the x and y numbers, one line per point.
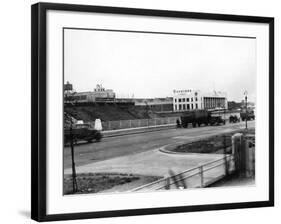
pixel 185 99
pixel 215 103
pixel 186 107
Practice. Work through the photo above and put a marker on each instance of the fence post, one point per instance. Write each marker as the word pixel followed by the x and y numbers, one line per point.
pixel 109 125
pixel 249 159
pixel 225 156
pixel 201 176
pixel 130 123
pixel 226 168
pixel 167 183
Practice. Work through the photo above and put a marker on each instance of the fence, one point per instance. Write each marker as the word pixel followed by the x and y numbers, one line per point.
pixel 123 124
pixel 194 177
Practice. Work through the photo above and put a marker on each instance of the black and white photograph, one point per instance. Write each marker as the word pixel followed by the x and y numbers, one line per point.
pixel 140 111
pixel 155 111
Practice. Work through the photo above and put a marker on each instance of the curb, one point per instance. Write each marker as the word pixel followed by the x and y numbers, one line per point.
pixel 136 131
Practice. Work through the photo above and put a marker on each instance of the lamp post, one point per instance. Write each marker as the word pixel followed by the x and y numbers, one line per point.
pixel 224 110
pixel 246 98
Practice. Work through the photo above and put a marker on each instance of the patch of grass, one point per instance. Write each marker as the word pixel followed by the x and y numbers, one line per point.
pixel 209 145
pixel 96 182
pixel 215 144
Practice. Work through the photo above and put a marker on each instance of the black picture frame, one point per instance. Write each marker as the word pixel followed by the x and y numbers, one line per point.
pixel 39 122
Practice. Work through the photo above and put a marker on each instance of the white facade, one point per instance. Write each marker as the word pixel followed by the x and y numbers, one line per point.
pixel 185 100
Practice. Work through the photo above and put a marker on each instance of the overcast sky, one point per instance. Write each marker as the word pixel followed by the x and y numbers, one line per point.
pixel 153 65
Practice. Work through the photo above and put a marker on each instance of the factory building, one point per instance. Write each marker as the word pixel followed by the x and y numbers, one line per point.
pixel 99 94
pixel 185 100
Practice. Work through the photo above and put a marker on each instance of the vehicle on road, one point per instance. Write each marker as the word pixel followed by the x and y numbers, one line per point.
pixel 178 123
pixel 216 120
pixel 234 119
pixel 81 132
pixel 247 115
pixel 199 117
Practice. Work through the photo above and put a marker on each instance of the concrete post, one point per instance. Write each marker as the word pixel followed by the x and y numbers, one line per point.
pixel 226 166
pixel 249 159
pixel 201 176
pixel 243 157
pixel 236 150
pixel 167 183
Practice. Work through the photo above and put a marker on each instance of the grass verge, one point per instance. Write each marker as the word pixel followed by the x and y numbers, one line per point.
pixel 98 182
pixel 215 144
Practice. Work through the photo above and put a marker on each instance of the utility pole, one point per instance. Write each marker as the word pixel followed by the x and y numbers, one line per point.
pixel 246 98
pixel 224 112
pixel 68 97
pixel 74 181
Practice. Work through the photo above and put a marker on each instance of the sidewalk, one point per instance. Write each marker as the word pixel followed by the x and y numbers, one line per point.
pixel 212 172
pixel 234 181
pixel 155 163
pixel 128 131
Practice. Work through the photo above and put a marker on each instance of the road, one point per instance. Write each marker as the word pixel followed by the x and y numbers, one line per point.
pixel 114 147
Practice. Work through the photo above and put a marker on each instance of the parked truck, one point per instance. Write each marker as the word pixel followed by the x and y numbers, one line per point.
pixel 249 115
pixel 199 117
pixel 234 119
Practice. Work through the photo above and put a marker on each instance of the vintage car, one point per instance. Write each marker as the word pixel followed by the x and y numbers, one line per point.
pixel 81 132
pixel 249 115
pixel 216 120
pixel 234 119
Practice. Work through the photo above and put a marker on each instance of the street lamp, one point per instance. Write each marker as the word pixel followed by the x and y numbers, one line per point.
pixel 246 98
pixel 224 110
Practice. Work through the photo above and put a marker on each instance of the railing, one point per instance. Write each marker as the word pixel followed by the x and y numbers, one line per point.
pixel 200 176
pixel 124 124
